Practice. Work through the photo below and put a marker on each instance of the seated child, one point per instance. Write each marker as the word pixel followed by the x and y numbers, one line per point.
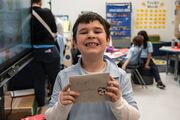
pixel 133 54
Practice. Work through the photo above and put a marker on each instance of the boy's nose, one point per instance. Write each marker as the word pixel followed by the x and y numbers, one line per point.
pixel 91 34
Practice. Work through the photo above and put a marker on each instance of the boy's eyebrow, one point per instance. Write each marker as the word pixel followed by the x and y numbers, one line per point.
pixel 99 28
pixel 82 29
pixel 94 27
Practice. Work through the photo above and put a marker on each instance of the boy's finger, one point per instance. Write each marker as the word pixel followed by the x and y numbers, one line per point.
pixel 111 79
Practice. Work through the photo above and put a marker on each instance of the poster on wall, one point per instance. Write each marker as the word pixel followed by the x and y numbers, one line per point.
pixel 119 16
pixel 151 15
pixel 65 22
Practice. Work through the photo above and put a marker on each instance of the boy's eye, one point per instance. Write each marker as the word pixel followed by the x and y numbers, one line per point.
pixel 98 31
pixel 83 32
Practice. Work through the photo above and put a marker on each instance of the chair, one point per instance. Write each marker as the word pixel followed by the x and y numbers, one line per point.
pixel 134 71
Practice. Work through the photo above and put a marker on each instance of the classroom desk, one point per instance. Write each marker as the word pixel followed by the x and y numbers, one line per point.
pixel 116 53
pixel 176 51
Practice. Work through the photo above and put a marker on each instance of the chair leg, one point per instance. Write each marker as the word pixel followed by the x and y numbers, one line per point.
pixel 140 79
pixel 137 77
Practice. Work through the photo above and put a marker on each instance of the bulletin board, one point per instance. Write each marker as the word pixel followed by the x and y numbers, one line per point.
pixel 66 22
pixel 119 16
pixel 151 15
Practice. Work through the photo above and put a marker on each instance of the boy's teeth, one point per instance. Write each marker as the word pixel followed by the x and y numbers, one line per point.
pixel 91 44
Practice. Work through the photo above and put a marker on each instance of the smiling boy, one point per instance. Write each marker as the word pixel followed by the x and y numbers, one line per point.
pixel 91 36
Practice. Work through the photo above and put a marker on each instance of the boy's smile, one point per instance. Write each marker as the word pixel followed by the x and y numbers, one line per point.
pixel 91 44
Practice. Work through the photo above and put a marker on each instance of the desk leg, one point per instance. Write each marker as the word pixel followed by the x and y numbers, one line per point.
pixel 176 68
pixel 167 63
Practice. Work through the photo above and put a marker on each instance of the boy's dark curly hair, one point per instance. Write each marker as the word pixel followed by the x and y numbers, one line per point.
pixel 88 17
pixel 35 1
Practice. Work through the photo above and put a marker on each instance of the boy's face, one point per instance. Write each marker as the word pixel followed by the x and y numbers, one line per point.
pixel 91 38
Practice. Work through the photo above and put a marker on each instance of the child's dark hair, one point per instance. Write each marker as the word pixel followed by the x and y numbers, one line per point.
pixel 35 1
pixel 88 17
pixel 138 40
pixel 145 36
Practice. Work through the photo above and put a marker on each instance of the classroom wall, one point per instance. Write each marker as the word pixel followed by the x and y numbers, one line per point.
pixel 74 7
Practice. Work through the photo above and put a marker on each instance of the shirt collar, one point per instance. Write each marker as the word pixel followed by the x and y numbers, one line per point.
pixel 111 67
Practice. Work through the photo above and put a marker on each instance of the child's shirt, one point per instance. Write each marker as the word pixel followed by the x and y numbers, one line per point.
pixel 149 49
pixel 94 111
pixel 133 55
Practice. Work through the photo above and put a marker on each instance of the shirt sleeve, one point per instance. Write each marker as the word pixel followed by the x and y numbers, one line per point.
pixel 129 54
pixel 123 111
pixel 126 107
pixel 150 47
pixel 58 112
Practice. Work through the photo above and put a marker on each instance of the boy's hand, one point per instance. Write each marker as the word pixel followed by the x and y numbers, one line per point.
pixel 67 96
pixel 113 90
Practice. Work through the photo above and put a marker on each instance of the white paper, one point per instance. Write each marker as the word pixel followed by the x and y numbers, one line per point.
pixel 91 87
